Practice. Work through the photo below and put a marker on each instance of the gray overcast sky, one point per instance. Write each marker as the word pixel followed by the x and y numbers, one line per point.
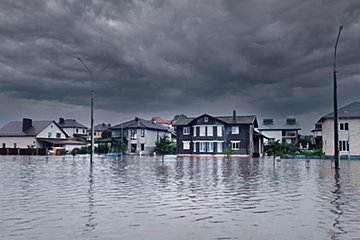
pixel 272 58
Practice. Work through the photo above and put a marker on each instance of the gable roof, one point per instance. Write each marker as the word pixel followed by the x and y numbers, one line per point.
pixel 225 119
pixel 351 110
pixel 102 127
pixel 70 123
pixel 15 128
pixel 140 123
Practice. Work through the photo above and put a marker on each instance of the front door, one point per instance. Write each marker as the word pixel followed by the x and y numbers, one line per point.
pixel 133 148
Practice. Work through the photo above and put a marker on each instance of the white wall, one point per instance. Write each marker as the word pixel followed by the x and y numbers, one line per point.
pixel 353 135
pixel 276 134
pixel 51 130
pixel 21 142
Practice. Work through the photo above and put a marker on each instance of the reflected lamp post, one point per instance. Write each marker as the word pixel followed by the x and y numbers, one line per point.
pixel 91 109
pixel 336 128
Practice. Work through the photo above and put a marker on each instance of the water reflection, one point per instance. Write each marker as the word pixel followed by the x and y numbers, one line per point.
pixel 90 213
pixel 337 203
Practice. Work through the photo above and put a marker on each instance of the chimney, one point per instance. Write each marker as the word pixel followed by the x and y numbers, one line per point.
pixel 61 121
pixel 234 116
pixel 26 124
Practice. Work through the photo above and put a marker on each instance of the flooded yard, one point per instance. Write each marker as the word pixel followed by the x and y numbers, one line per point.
pixel 184 198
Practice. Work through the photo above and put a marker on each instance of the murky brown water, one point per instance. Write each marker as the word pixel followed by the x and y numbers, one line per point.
pixel 200 198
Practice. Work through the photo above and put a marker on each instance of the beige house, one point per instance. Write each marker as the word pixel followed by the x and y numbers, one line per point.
pixel 349 131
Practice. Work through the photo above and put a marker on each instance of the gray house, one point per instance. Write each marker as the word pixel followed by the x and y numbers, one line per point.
pixel 212 135
pixel 139 135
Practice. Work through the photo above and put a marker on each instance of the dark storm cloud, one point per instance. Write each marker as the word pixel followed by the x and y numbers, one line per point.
pixel 158 55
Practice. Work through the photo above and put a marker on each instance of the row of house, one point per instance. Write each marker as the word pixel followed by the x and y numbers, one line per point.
pixel 200 135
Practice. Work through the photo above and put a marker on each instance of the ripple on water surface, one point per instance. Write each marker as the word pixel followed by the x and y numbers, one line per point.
pixel 184 198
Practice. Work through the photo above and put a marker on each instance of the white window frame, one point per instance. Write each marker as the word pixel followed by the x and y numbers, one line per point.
pixel 206 119
pixel 235 130
pixel 186 145
pixel 219 131
pixel 194 146
pixel 194 131
pixel 210 147
pixel 202 147
pixel 233 145
pixel 186 131
pixel 202 131
pixel 219 147
pixel 210 131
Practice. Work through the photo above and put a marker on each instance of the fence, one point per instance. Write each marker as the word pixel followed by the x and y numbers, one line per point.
pixel 23 151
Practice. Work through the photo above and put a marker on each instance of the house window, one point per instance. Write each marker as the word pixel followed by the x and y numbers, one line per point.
pixel 15 145
pixel 202 147
pixel 194 131
pixel 219 131
pixel 210 147
pixel 210 131
pixel 58 135
pixel 194 147
pixel 206 119
pixel 84 131
pixel 219 147
pixel 344 146
pixel 235 145
pixel 142 132
pixel 186 131
pixel 235 130
pixel 133 134
pixel 4 145
pixel 202 131
pixel 186 145
pixel 49 134
pixel 77 130
pixel 142 147
pixel 344 126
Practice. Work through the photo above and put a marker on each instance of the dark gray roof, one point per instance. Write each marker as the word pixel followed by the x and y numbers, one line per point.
pixel 140 123
pixel 102 127
pixel 226 119
pixel 14 128
pixel 71 123
pixel 279 125
pixel 351 110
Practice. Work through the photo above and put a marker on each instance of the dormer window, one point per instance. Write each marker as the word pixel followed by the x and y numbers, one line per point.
pixel 206 119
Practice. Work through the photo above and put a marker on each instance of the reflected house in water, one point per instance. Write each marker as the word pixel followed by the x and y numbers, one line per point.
pixel 139 135
pixel 209 135
pixel 349 131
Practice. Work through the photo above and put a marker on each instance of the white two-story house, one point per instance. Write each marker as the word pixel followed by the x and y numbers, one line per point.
pixel 139 135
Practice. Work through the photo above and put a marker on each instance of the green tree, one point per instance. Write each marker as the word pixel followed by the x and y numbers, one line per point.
pixel 229 151
pixel 120 146
pixel 31 149
pixel 106 134
pixel 164 146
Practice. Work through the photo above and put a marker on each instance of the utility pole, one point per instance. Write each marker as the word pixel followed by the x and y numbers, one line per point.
pixel 91 110
pixel 336 118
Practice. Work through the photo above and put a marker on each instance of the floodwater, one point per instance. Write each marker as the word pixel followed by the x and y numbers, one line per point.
pixel 184 198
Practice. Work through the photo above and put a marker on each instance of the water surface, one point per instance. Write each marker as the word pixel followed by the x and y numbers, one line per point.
pixel 184 198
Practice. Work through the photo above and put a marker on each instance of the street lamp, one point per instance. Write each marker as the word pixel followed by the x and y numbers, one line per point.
pixel 91 109
pixel 336 128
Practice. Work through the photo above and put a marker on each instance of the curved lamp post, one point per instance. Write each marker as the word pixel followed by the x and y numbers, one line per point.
pixel 336 128
pixel 91 109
